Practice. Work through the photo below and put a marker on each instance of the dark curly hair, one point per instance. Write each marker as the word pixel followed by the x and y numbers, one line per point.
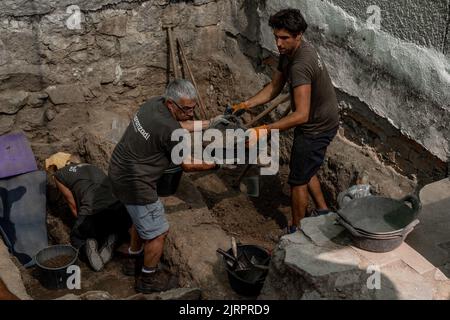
pixel 290 19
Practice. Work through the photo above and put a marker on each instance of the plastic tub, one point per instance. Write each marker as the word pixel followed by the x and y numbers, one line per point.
pixel 248 282
pixel 168 184
pixel 52 263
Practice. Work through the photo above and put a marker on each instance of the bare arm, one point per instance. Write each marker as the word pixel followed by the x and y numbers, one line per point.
pixel 302 98
pixel 189 125
pixel 68 196
pixel 188 165
pixel 270 92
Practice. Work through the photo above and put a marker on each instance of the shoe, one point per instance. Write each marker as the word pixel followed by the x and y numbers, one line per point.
pixel 152 282
pixel 291 229
pixel 132 265
pixel 106 251
pixel 93 255
pixel 317 212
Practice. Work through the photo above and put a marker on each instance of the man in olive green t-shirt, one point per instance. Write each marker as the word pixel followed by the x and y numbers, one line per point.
pixel 315 115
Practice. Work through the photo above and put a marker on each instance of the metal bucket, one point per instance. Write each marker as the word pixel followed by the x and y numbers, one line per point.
pixel 55 276
pixel 380 224
pixel 377 243
pixel 381 215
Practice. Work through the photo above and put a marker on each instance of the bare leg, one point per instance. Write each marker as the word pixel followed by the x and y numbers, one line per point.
pixel 316 193
pixel 153 250
pixel 135 240
pixel 5 294
pixel 152 279
pixel 299 203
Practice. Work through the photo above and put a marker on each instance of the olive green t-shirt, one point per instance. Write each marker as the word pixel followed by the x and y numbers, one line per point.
pixel 143 153
pixel 306 67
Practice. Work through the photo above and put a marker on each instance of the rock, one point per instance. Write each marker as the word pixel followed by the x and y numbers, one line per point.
pixel 12 102
pixel 65 94
pixel 36 99
pixel 6 123
pixel 115 26
pixel 58 232
pixel 24 44
pixel 3 54
pixel 108 45
pixel 208 16
pixel 50 114
pixel 321 229
pixel 13 8
pixel 202 2
pixel 96 295
pixel 211 183
pixel 181 294
pixel 95 150
pixel 305 266
pixel 69 296
pixel 10 274
pixel 320 261
pixel 106 71
pixel 191 246
pixel 30 118
pixel 138 296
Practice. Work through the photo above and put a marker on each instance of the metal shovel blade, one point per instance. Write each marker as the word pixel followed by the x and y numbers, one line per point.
pixel 252 184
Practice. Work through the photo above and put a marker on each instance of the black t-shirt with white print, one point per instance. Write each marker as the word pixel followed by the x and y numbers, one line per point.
pixel 90 187
pixel 143 153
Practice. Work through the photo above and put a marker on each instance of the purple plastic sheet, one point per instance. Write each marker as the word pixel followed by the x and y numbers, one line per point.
pixel 16 156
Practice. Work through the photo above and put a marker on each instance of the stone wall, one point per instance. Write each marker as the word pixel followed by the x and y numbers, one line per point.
pixel 408 20
pixel 68 68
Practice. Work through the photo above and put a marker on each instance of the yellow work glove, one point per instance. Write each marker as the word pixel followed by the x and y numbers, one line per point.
pixel 239 106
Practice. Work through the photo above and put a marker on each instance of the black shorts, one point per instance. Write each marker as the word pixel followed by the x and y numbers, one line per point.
pixel 307 155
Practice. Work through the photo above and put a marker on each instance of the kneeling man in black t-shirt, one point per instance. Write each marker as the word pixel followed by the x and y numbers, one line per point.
pixel 101 219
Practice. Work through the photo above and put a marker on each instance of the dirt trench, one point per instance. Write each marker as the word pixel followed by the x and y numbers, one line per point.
pixel 258 220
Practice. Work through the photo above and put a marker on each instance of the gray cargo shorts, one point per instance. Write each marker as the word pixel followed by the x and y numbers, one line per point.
pixel 150 220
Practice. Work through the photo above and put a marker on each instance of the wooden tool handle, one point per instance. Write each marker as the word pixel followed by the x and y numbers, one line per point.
pixel 234 247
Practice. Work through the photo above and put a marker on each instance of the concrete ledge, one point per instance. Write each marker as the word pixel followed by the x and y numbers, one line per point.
pixel 308 266
pixel 10 274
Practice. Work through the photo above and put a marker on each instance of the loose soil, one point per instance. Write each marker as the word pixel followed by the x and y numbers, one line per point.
pixel 263 220
pixel 58 261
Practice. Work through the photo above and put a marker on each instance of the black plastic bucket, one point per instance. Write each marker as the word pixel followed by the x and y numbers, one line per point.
pixel 55 276
pixel 248 282
pixel 168 184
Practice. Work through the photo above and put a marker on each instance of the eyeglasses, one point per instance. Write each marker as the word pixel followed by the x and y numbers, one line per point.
pixel 184 109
